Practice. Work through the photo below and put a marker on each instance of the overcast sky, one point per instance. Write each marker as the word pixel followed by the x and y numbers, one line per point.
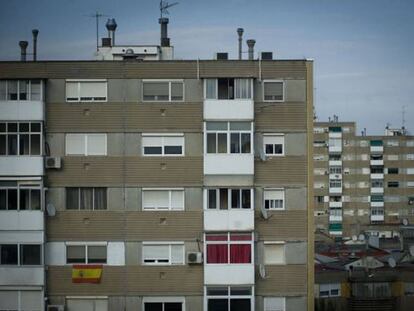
pixel 363 49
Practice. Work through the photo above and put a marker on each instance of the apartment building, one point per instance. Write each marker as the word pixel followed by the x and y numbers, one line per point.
pixel 363 184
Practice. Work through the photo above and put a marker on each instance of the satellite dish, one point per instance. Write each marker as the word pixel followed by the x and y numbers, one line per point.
pixel 51 210
pixel 354 238
pixel 405 222
pixel 262 271
pixel 265 214
pixel 391 262
pixel 411 250
pixel 361 237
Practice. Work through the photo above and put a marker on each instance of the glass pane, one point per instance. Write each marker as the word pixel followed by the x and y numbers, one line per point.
pixel 24 127
pixel 217 291
pixel 8 254
pixel 153 306
pixel 177 91
pixel 222 143
pixel 211 88
pixel 3 199
pixel 30 255
pixel 24 199
pixel 273 90
pixel 35 90
pixel 173 150
pixel 240 304
pixel 245 141
pixel 217 253
pixel 216 126
pixel 75 254
pixel 86 198
pixel 72 198
pixel 35 199
pixel 173 306
pixel 240 253
pixel 217 305
pixel 12 144
pixel 2 127
pixel 235 143
pixel 156 91
pixel 235 198
pixel 246 201
pixel 3 91
pixel 211 143
pixel 12 127
pixel 23 88
pixel 97 254
pixel 269 149
pixel 278 149
pixel 240 291
pixel 240 126
pixel 100 198
pixel 224 201
pixel 12 90
pixel 3 145
pixel 12 199
pixel 24 147
pixel 212 199
pixel 35 144
pixel 152 150
pixel 35 127
pixel 177 254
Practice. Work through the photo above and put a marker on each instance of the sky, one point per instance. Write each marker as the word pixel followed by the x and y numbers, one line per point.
pixel 362 49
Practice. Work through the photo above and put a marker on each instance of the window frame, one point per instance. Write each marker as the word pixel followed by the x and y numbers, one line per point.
pixel 85 145
pixel 283 262
pixel 79 199
pixel 169 81
pixel 170 190
pixel 85 245
pixel 229 296
pixel 234 91
pixel 22 185
pixel 283 190
pixel 283 90
pixel 79 81
pixel 283 136
pixel 19 254
pixel 169 244
pixel 29 90
pixel 163 300
pixel 229 199
pixel 330 287
pixel 18 135
pixel 163 144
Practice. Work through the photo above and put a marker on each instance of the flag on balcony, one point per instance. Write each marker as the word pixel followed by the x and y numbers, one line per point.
pixel 86 274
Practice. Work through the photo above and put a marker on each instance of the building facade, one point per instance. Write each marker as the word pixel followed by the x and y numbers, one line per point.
pixel 363 184
pixel 169 185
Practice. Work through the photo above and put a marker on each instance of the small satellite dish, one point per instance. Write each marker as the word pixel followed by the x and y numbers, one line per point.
pixel 354 238
pixel 264 212
pixel 391 262
pixel 262 271
pixel 51 210
pixel 405 222
pixel 411 250
pixel 361 237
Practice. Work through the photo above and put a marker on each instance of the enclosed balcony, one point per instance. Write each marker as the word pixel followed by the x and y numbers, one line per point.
pixel 16 220
pixel 376 146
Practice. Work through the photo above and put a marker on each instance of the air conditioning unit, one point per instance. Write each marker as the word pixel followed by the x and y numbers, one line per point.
pixel 194 257
pixel 53 162
pixel 55 308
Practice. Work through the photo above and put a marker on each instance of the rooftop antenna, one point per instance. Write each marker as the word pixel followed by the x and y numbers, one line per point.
pixel 97 16
pixel 403 117
pixel 164 6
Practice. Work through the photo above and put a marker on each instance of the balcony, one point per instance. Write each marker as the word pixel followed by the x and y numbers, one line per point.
pixel 377 176
pixel 377 149
pixel 335 134
pixel 21 220
pixel 335 204
pixel 229 164
pixel 228 274
pixel 377 162
pixel 21 276
pixel 335 190
pixel 335 229
pixel 22 165
pixel 229 220
pixel 377 204
pixel 335 163
pixel 21 110
pixel 377 217
pixel 377 190
pixel 228 109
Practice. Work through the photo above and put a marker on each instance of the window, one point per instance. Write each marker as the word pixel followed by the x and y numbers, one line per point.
pixel 377 211
pixel 335 142
pixel 410 171
pixel 228 137
pixel 329 290
pixel 393 143
pixel 319 143
pixel 319 157
pixel 335 198
pixel 86 198
pixel 318 130
pixel 410 143
pixel 166 91
pixel 86 91
pixel 377 183
pixel 335 170
pixel 334 157
pixel 228 88
pixel 393 170
pixel 159 145
pixel 274 304
pixel 163 199
pixel 274 144
pixel 224 198
pixel 22 300
pixel 377 198
pixel 376 143
pixel 86 144
pixel 229 248
pixel 20 254
pixel 229 298
pixel 363 143
pixel 335 129
pixel 86 253
pixel 19 196
pixel 393 184
pixel 274 199
pixel 319 199
pixel 20 90
pixel 274 253
pixel 375 169
pixel 20 138
pixel 163 304
pixel 410 184
pixel 335 183
pixel 163 253
pixel 273 90
pixel 410 156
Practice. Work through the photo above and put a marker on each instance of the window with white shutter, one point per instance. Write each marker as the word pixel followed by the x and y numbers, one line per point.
pixel 274 144
pixel 86 90
pixel 86 144
pixel 274 199
pixel 162 199
pixel 274 253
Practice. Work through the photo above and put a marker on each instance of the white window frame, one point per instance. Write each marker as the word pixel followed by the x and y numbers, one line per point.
pixel 22 185
pixel 330 287
pixel 229 199
pixel 79 199
pixel 169 81
pixel 19 264
pixel 79 81
pixel 85 147
pixel 169 199
pixel 229 296
pixel 216 95
pixel 283 88
pixel 283 136
pixel 275 243
pixel 283 190
pixel 18 133
pixel 29 90
pixel 86 245
pixel 269 297
pixel 162 243
pixel 163 136
pixel 163 299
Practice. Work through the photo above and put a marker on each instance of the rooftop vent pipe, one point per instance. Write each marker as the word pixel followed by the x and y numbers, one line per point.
pixel 165 41
pixel 240 33
pixel 111 27
pixel 23 46
pixel 35 33
pixel 250 44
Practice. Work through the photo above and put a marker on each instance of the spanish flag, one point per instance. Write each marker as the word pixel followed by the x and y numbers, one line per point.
pixel 86 274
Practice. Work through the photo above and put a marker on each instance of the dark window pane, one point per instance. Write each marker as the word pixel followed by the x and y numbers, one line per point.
pixel 235 143
pixel 224 199
pixel 153 306
pixel 23 87
pixel 12 199
pixel 173 306
pixel 240 291
pixel 240 305
pixel 217 291
pixel 12 90
pixel 12 127
pixel 217 253
pixel 3 145
pixel 35 199
pixel 152 150
pixel 222 143
pixel 217 305
pixel 8 254
pixel 245 142
pixel 72 198
pixel 246 203
pixel 240 253
pixel 75 254
pixel 3 199
pixel 86 198
pixel 24 146
pixel 35 144
pixel 212 198
pixel 173 150
pixel 278 149
pixel 267 204
pixel 269 149
pixel 30 255
pixel 100 198
pixel 96 254
pixel 235 198
pixel 35 127
pixel 12 144
pixel 24 199
pixel 2 127
pixel 211 143
pixel 23 127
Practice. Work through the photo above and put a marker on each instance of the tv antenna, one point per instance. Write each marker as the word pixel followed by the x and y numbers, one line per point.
pixel 403 117
pixel 164 6
pixel 97 16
